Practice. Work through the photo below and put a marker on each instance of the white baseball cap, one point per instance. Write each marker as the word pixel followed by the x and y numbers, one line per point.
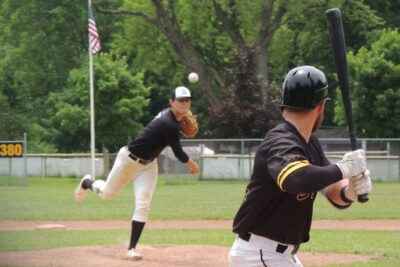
pixel 181 92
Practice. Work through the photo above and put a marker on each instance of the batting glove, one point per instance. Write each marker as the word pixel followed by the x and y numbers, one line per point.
pixel 359 185
pixel 363 185
pixel 353 164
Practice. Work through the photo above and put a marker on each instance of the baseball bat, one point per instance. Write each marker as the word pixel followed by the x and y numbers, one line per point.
pixel 335 25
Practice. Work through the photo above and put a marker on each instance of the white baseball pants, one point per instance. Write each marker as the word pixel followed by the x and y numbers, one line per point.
pixel 259 252
pixel 125 169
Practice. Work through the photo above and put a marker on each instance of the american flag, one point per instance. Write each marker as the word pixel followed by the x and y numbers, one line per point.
pixel 95 45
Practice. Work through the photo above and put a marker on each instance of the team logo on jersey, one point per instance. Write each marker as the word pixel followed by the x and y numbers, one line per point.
pixel 301 197
pixel 161 113
pixel 293 157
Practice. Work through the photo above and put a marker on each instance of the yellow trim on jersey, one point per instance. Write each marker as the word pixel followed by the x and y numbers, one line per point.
pixel 288 166
pixel 291 167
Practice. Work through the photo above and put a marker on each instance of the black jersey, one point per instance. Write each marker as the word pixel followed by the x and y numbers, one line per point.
pixel 162 131
pixel 268 209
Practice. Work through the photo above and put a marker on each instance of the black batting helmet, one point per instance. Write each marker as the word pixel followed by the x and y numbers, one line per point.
pixel 304 87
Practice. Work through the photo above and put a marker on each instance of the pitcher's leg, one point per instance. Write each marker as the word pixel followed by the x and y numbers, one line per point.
pixel 144 186
pixel 123 171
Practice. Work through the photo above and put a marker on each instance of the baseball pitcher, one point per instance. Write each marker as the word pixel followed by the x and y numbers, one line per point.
pixel 137 161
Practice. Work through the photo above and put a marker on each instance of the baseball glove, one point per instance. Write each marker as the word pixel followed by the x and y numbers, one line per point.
pixel 189 126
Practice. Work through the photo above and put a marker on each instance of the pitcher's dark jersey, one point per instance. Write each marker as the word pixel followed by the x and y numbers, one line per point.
pixel 161 132
pixel 273 207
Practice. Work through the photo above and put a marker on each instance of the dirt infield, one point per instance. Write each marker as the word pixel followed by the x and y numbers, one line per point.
pixel 153 256
pixel 164 255
pixel 217 224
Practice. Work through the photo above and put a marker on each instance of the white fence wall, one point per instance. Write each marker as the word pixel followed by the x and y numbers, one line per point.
pixel 218 159
pixel 383 168
pixel 51 167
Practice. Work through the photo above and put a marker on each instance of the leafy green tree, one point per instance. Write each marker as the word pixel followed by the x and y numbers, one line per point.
pixel 172 38
pixel 312 44
pixel 375 86
pixel 202 34
pixel 10 124
pixel 120 99
pixel 388 10
pixel 40 42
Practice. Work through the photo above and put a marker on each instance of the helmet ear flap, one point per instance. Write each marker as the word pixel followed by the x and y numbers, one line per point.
pixel 304 87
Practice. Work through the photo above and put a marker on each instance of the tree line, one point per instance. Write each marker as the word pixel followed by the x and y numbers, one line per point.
pixel 240 49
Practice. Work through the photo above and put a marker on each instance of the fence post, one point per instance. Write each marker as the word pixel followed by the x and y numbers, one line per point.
pixel 201 161
pixel 106 162
pixel 241 160
pixel 42 166
pixel 10 166
pixel 364 145
pixel 166 166
pixel 45 166
pixel 25 159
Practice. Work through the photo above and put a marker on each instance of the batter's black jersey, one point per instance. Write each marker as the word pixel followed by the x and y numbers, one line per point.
pixel 268 209
pixel 162 131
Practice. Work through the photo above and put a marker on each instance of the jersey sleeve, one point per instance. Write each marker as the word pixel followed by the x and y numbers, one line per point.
pixel 293 173
pixel 285 158
pixel 173 140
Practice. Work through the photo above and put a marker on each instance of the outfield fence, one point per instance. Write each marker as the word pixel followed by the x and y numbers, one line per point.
pixel 218 159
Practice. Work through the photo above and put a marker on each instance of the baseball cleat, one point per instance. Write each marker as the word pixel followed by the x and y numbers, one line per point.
pixel 80 192
pixel 133 255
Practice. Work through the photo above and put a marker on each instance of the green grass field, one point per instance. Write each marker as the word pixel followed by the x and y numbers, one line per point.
pixel 52 199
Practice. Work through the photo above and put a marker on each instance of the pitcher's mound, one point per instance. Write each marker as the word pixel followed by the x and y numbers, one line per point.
pixel 52 226
pixel 153 256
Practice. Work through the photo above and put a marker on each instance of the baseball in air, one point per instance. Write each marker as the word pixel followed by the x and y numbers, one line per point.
pixel 193 77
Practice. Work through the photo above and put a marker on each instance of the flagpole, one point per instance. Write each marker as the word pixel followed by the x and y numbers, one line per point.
pixel 92 135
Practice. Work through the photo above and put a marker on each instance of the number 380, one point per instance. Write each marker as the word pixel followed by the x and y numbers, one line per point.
pixel 11 150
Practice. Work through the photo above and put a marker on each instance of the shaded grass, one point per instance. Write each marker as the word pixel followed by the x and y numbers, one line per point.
pixel 52 199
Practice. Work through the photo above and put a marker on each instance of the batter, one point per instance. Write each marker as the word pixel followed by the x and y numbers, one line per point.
pixel 137 162
pixel 289 169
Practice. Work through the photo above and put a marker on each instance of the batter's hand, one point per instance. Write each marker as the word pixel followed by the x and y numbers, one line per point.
pixel 359 185
pixel 350 192
pixel 363 185
pixel 353 164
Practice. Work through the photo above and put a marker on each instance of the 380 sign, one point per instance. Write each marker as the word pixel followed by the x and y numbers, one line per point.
pixel 11 149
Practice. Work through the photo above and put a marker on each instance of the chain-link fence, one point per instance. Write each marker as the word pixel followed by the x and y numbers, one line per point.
pixel 217 158
pixel 234 158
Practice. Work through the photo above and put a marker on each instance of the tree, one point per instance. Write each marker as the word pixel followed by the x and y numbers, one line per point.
pixel 231 16
pixel 243 113
pixel 388 10
pixel 40 42
pixel 120 99
pixel 312 46
pixel 375 85
pixel 205 35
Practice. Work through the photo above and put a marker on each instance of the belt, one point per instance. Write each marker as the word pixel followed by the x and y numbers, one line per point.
pixel 280 248
pixel 141 161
